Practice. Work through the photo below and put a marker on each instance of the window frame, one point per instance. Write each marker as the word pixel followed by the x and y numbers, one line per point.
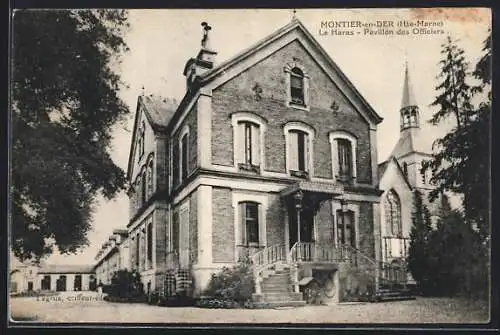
pixel 183 174
pixel 289 67
pixel 237 119
pixel 333 137
pixel 300 127
pixel 244 223
pixel 388 214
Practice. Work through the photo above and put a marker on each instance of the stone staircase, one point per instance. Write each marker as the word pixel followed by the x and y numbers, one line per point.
pixel 277 289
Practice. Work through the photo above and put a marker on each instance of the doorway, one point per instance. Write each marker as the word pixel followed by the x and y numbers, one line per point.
pixel 78 283
pixel 346 233
pixel 61 283
pixel 30 286
pixel 306 225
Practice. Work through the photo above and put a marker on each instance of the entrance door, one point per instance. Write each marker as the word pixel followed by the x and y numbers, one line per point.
pixel 346 233
pixel 306 226
pixel 30 286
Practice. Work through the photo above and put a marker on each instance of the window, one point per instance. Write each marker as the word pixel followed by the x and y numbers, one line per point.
pixel 140 141
pixel 405 169
pixel 150 244
pixel 248 141
pixel 175 232
pixel 297 86
pixel 299 152
pixel 249 223
pixel 345 158
pixel 150 177
pixel 184 153
pixel 143 188
pixel 393 214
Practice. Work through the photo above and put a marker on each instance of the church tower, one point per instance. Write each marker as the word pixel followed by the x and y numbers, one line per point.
pixel 411 148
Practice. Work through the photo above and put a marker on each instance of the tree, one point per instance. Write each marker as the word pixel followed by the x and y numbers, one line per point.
pixel 64 104
pixel 462 161
pixel 419 263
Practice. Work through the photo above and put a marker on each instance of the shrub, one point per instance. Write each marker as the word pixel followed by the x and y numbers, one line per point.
pixel 234 284
pixel 126 284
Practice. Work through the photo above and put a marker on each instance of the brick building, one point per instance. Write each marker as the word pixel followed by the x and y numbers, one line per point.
pixel 271 154
pixel 113 256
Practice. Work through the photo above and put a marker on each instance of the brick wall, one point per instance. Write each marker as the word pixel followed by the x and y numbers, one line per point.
pixel 275 224
pixel 237 95
pixel 193 227
pixel 365 227
pixel 223 225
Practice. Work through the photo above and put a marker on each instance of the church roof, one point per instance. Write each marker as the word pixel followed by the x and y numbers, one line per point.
pixel 408 97
pixel 382 167
pixel 413 140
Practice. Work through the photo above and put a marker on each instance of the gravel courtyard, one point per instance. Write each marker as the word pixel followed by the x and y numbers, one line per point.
pixel 89 307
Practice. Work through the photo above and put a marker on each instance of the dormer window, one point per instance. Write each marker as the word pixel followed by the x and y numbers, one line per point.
pixel 297 86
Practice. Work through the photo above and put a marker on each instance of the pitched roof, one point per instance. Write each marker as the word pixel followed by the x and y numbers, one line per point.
pixel 294 24
pixel 413 140
pixel 408 97
pixel 158 111
pixel 382 167
pixel 61 268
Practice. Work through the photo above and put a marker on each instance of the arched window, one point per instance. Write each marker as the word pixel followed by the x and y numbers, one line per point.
pixel 393 214
pixel 248 144
pixel 299 139
pixel 297 86
pixel 150 177
pixel 249 211
pixel 143 188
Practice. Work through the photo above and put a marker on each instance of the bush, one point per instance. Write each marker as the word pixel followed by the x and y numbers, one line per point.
pixel 231 285
pixel 126 284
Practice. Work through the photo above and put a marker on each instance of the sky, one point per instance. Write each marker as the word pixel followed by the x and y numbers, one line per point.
pixel 161 42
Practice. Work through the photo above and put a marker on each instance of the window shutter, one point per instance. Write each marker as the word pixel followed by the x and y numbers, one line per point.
pixel 255 145
pixel 293 150
pixel 240 143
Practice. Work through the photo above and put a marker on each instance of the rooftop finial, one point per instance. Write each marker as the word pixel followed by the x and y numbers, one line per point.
pixel 293 13
pixel 205 39
pixel 142 90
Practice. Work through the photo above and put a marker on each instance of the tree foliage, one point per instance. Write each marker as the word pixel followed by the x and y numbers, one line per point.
pixel 64 104
pixel 420 234
pixel 462 161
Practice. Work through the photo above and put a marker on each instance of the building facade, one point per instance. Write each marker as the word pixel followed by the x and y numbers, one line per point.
pixel 113 256
pixel 65 277
pixel 272 156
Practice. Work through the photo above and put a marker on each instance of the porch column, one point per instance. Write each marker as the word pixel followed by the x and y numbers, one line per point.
pixel 287 231
pixel 298 206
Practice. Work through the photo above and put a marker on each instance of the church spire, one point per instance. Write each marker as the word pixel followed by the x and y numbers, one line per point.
pixel 409 109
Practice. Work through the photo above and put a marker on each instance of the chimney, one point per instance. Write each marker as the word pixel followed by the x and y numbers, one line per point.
pixel 203 62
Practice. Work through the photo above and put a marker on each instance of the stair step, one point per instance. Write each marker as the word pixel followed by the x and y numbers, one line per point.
pixel 275 296
pixel 275 304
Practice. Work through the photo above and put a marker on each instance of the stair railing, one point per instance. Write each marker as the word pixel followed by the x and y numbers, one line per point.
pixel 265 258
